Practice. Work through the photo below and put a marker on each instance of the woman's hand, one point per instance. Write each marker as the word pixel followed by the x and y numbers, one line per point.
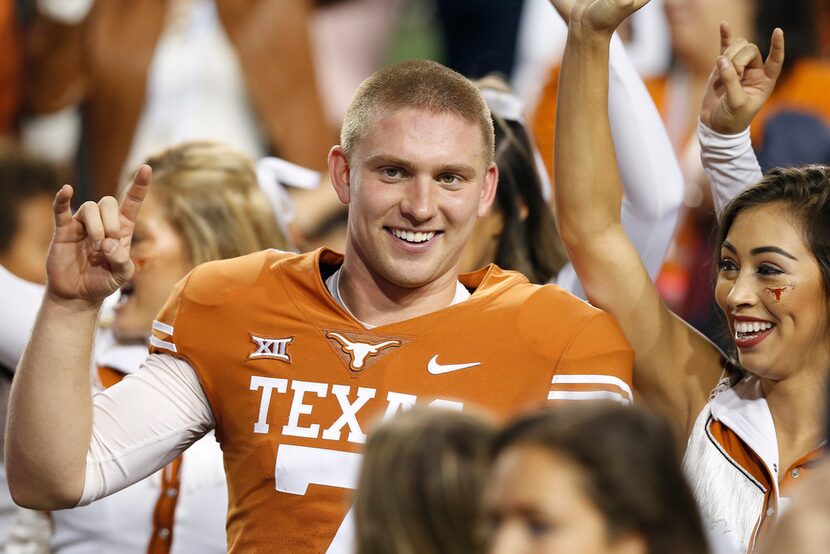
pixel 600 16
pixel 740 82
pixel 89 257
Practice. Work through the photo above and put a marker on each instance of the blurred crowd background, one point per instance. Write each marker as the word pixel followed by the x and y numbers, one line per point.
pixel 93 88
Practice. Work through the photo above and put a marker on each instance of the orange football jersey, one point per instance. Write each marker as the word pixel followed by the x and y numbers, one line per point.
pixel 295 382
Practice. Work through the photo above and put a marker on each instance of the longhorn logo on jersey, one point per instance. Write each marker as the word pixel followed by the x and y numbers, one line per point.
pixel 274 349
pixel 360 350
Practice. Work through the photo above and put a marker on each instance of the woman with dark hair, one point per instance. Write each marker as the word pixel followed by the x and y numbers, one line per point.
pixel 421 484
pixel 793 128
pixel 520 231
pixel 761 429
pixel 590 479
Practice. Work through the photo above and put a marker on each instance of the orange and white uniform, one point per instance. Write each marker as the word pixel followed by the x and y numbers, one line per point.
pixel 732 455
pixel 732 464
pixel 292 383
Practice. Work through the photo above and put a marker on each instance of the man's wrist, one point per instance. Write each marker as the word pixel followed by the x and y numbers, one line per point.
pixel 71 305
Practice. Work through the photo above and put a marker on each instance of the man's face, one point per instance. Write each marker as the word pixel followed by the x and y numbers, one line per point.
pixel 415 186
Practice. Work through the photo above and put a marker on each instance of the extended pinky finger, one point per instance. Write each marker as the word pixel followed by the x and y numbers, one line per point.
pixel 775 60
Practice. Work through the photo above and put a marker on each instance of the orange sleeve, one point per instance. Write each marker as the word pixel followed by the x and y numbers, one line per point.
pixel 597 364
pixel 162 338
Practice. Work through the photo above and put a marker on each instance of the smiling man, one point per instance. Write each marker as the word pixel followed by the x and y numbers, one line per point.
pixel 292 358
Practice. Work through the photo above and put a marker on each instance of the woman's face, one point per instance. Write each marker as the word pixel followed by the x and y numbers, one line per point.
pixel 161 260
pixel 771 290
pixel 536 505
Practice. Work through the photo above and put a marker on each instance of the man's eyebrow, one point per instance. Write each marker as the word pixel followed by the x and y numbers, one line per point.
pixel 385 159
pixel 459 169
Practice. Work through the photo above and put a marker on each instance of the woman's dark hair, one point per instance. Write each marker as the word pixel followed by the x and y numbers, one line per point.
pixel 805 192
pixel 421 484
pixel 529 244
pixel 798 19
pixel 632 467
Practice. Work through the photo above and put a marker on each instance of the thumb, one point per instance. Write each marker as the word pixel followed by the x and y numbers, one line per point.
pixel 735 94
pixel 118 258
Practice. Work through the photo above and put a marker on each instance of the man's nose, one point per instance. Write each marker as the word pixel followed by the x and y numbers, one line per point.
pixel 419 202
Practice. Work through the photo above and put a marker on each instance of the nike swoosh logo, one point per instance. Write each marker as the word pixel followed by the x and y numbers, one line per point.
pixel 439 369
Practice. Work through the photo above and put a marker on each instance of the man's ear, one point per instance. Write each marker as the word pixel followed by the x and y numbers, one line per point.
pixel 488 191
pixel 339 172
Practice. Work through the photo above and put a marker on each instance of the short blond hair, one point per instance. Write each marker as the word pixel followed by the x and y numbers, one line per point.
pixel 421 85
pixel 210 195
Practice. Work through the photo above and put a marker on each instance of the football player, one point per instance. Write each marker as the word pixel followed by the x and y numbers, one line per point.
pixel 290 358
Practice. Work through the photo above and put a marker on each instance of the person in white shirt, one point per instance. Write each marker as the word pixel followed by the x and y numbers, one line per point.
pixel 762 428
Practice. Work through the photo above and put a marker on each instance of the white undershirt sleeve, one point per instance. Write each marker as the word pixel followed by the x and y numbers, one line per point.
pixel 651 177
pixel 143 423
pixel 729 163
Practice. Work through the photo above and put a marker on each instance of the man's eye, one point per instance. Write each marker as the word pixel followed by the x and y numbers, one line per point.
pixel 448 179
pixel 391 172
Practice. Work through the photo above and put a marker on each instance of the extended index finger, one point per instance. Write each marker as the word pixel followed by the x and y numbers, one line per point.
pixel 136 192
pixel 775 60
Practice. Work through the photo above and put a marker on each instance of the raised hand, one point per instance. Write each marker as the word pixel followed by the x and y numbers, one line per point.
pixel 89 257
pixel 564 7
pixel 602 16
pixel 740 82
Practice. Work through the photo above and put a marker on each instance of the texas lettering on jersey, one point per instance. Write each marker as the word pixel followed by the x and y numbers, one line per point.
pixel 295 383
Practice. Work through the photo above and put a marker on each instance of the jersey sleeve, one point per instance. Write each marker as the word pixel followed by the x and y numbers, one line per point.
pixel 142 423
pixel 162 338
pixel 596 365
